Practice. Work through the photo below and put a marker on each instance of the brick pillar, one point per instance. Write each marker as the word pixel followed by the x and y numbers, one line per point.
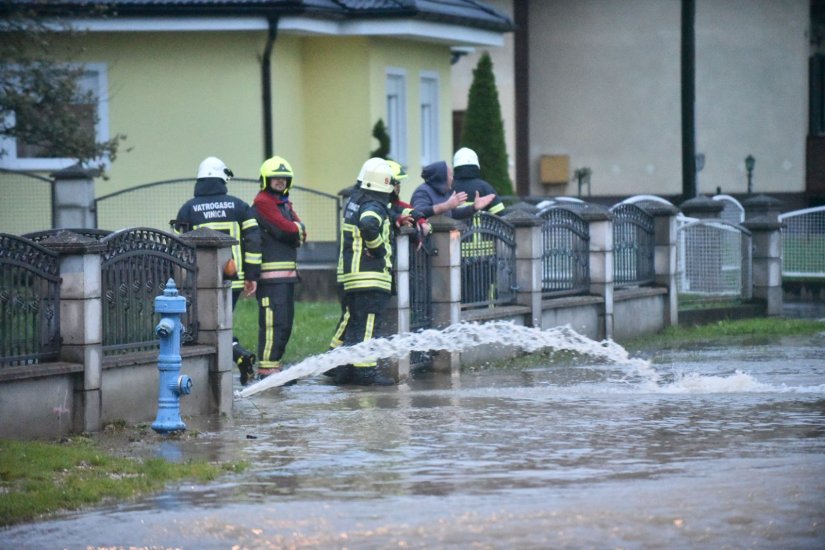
pixel 212 251
pixel 762 220
pixel 73 198
pixel 601 262
pixel 81 328
pixel 446 284
pixel 528 261
pixel 664 256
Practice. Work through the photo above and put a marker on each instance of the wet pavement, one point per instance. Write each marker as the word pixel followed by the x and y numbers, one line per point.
pixel 714 447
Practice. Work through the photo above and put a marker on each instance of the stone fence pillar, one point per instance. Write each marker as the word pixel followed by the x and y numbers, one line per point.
pixel 81 329
pixel 212 251
pixel 664 256
pixel 762 220
pixel 445 270
pixel 397 319
pixel 74 198
pixel 528 261
pixel 601 262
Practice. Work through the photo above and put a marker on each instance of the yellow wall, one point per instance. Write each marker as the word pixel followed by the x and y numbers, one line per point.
pixel 178 109
pixel 180 97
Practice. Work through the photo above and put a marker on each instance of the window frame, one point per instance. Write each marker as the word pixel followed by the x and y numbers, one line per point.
pixel 429 85
pixel 100 88
pixel 396 121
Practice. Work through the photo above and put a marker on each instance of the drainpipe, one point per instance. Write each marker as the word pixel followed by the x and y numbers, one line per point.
pixel 688 99
pixel 266 85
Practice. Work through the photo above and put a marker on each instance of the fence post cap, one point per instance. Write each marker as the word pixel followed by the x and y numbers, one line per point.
pixel 76 171
pixel 702 205
pixel 204 237
pixel 69 242
pixel 522 218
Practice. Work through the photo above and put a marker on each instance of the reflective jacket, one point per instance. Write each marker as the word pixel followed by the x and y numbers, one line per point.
pixel 365 257
pixel 212 207
pixel 281 235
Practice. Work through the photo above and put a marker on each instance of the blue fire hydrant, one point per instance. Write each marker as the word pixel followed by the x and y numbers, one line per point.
pixel 172 383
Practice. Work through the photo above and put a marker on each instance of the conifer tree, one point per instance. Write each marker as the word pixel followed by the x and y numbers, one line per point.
pixel 483 129
pixel 379 132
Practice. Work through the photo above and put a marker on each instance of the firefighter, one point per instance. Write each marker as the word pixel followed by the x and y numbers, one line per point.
pixel 282 233
pixel 467 178
pixel 214 208
pixel 365 261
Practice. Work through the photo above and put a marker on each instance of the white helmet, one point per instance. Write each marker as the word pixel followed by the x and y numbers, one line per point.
pixel 367 165
pixel 213 167
pixel 378 177
pixel 465 156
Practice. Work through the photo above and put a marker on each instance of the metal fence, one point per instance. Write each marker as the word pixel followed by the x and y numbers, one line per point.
pixel 803 243
pixel 27 202
pixel 159 202
pixel 633 242
pixel 29 302
pixel 488 262
pixel 714 260
pixel 565 252
pixel 135 267
pixel 421 315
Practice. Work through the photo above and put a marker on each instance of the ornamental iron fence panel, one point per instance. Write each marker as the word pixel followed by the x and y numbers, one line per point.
pixel 803 243
pixel 135 267
pixel 421 316
pixel 488 262
pixel 633 245
pixel 565 252
pixel 29 302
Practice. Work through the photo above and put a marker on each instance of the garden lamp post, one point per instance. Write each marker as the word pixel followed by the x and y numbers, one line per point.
pixel 749 163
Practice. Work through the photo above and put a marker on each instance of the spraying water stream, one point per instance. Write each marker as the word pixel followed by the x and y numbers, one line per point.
pixel 457 338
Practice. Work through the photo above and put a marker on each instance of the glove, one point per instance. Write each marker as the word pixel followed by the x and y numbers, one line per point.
pixel 404 219
pixel 302 233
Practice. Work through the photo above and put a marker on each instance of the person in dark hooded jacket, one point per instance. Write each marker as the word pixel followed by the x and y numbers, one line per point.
pixel 436 196
pixel 467 178
pixel 213 207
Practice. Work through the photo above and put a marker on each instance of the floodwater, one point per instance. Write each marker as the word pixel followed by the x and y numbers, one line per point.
pixel 715 447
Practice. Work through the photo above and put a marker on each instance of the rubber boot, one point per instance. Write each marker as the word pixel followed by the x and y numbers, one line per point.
pixel 245 360
pixel 372 376
pixel 272 367
pixel 342 374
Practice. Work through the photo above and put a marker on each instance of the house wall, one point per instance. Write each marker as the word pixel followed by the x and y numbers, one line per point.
pixel 605 89
pixel 178 109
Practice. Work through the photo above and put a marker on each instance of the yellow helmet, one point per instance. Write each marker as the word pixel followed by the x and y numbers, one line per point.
pixel 378 177
pixel 276 167
pixel 398 172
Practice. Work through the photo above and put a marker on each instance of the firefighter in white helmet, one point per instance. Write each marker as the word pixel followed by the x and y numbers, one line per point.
pixel 365 268
pixel 213 207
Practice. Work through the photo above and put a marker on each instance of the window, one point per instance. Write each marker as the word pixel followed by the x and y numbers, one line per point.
pixel 23 156
pixel 429 118
pixel 397 114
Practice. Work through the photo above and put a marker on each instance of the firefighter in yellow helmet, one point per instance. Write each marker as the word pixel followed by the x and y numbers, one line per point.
pixel 282 233
pixel 365 268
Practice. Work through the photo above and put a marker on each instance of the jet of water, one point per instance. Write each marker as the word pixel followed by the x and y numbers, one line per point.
pixel 455 338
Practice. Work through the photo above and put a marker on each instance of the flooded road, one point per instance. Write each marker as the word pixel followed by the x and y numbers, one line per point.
pixel 719 447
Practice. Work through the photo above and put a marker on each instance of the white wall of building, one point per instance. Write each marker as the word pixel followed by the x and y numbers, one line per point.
pixel 605 89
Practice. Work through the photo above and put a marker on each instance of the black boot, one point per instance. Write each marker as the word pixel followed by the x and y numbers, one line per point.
pixel 372 376
pixel 342 374
pixel 245 360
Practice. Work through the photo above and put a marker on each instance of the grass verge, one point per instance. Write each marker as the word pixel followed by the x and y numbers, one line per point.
pixel 39 478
